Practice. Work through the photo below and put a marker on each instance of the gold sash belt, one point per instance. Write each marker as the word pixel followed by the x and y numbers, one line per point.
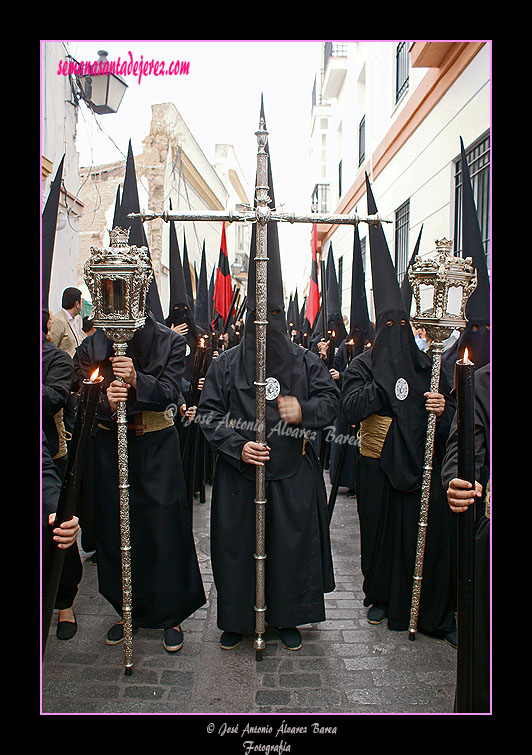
pixel 373 431
pixel 62 433
pixel 146 422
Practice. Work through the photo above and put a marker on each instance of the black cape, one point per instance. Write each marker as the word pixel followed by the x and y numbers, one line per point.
pixel 181 313
pixel 299 566
pixel 57 379
pixel 166 581
pixel 389 510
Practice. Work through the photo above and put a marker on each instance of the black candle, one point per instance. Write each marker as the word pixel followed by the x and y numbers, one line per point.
pixel 89 396
pixel 331 349
pixel 465 418
pixel 349 350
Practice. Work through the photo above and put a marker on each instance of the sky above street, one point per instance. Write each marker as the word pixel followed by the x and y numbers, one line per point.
pixel 219 99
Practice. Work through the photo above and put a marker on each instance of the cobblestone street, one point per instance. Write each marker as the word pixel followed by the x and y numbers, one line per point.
pixel 346 666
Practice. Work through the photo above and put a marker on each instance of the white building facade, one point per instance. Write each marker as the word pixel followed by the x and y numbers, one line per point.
pixel 58 138
pixel 396 111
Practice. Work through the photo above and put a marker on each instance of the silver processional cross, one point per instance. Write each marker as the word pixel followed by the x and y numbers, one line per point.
pixel 261 214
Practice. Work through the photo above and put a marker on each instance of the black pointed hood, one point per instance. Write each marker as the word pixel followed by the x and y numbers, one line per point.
pixel 137 237
pixel 186 271
pixel 335 322
pixel 297 316
pixel 179 310
pixel 406 288
pixel 275 278
pixel 49 223
pixel 211 294
pixel 178 292
pixel 476 334
pixel 478 304
pixel 290 313
pixel 360 328
pixel 386 293
pixel 278 343
pixel 116 215
pixel 399 368
pixel 201 313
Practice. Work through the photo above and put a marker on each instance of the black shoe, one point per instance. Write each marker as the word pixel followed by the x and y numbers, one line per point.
pixel 351 493
pixel 230 640
pixel 451 638
pixel 66 629
pixel 377 613
pixel 290 637
pixel 116 634
pixel 172 639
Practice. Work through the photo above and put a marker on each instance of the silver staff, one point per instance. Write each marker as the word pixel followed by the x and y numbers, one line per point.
pixel 250 216
pixel 118 278
pixel 261 323
pixel 440 274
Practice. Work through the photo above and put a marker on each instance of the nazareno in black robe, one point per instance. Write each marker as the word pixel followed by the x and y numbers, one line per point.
pixel 482 559
pixel 166 580
pixel 299 567
pixel 389 495
pixel 341 429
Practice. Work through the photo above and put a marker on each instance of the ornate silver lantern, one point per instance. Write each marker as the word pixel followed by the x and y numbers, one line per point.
pixel 118 278
pixel 442 278
pixel 449 281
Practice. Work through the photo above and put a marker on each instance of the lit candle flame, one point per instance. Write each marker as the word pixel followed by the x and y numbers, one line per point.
pixel 465 360
pixel 351 342
pixel 95 375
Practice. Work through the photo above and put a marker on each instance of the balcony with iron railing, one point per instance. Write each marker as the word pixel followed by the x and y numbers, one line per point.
pixel 317 91
pixel 335 68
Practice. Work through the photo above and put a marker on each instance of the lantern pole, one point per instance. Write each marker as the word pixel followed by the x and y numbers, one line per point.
pixel 442 273
pixel 120 349
pixel 120 312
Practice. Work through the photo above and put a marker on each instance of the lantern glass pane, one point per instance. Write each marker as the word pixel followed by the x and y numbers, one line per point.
pixel 99 91
pixel 427 297
pixel 114 296
pixel 454 300
pixel 117 88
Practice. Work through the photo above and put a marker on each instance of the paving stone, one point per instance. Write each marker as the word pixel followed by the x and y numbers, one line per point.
pixel 272 697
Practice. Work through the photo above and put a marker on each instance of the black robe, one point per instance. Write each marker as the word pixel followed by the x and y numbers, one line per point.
pixel 481 610
pixel 166 580
pixel 342 428
pixel 389 509
pixel 299 566
pixel 57 381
